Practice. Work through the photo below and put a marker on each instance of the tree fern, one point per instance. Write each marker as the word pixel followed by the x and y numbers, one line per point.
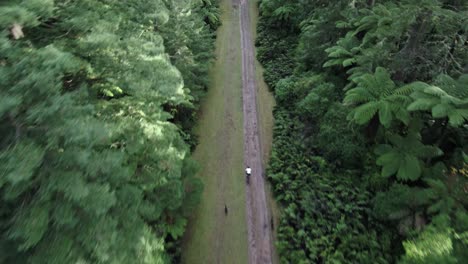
pixel 376 93
pixel 383 23
pixel 283 13
pixel 344 52
pixel 404 156
pixel 447 98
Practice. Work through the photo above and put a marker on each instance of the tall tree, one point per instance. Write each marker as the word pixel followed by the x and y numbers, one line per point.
pixel 92 170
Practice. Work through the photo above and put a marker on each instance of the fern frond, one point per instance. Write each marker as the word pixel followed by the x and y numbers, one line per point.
pixel 399 100
pixel 366 23
pixel 447 83
pixel 385 114
pixel 395 139
pixel 349 86
pixel 384 21
pixel 437 185
pixel 390 163
pixel 355 74
pixel 422 104
pixel 402 115
pixel 358 95
pixel 382 149
pixel 436 91
pixel 342 24
pixel 332 62
pixel 425 151
pixel 410 168
pixel 364 113
pixel 283 12
pixel 338 52
pixel 458 117
pixel 349 62
pixel 410 88
pixel 441 110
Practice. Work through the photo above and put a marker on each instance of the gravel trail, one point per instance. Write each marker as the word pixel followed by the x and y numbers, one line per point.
pixel 258 216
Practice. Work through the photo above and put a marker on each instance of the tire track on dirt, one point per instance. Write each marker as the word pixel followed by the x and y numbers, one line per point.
pixel 258 217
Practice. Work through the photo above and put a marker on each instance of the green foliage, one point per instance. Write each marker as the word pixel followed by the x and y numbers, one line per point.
pixel 415 39
pixel 189 41
pixel 92 167
pixel 399 67
pixel 304 92
pixel 315 104
pixel 377 94
pixel 322 216
pixel 211 13
pixel 343 146
pixel 402 203
pixel 344 53
pixel 433 245
pixel 404 156
pixel 279 49
pixel 283 13
pixel 450 100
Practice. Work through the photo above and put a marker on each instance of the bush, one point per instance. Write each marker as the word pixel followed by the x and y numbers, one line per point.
pixel 315 105
pixel 340 142
pixel 324 216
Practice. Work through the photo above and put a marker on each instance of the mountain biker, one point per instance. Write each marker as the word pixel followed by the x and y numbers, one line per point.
pixel 248 172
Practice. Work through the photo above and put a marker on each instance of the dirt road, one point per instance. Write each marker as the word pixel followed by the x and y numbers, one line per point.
pixel 225 121
pixel 258 216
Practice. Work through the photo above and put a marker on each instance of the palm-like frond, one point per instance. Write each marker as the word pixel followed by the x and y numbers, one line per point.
pixel 344 52
pixel 364 113
pixel 447 99
pixel 358 95
pixel 422 104
pixel 403 156
pixel 283 13
pixel 377 93
pixel 411 88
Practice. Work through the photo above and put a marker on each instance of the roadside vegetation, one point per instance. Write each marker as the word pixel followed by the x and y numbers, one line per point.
pixel 97 104
pixel 369 153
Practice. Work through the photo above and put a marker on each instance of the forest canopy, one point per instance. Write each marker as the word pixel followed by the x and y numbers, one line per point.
pixel 94 153
pixel 370 144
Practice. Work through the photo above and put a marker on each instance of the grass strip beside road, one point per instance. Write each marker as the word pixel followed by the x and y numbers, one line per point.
pixel 213 237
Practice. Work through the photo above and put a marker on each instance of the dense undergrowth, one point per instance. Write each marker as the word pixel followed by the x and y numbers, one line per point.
pixel 326 216
pixel 368 157
pixel 97 103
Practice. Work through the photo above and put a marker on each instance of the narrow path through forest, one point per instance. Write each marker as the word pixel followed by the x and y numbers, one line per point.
pixel 212 236
pixel 242 235
pixel 258 216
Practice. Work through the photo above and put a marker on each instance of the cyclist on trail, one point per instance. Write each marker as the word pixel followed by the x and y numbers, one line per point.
pixel 248 172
